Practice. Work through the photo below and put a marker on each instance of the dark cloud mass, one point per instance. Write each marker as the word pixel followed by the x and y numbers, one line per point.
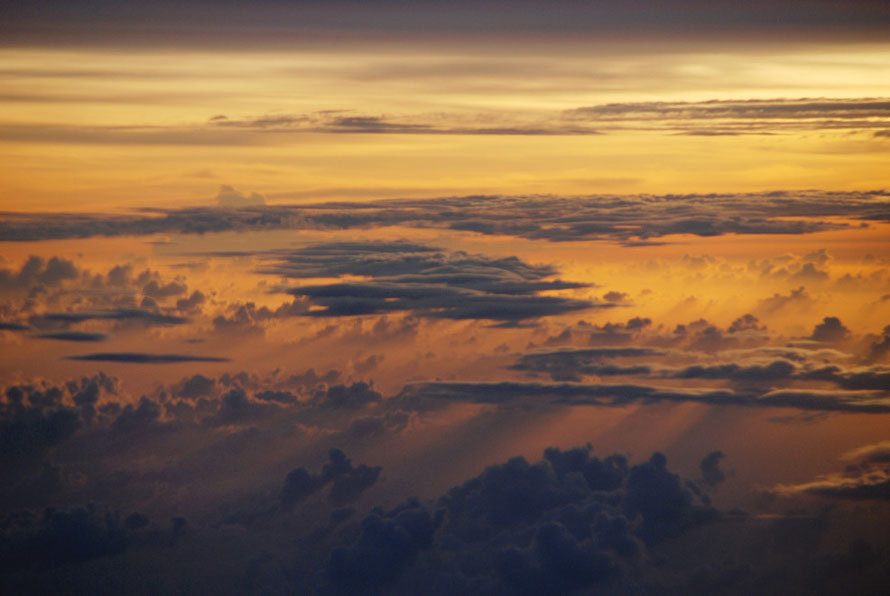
pixel 346 481
pixel 612 395
pixel 424 280
pixel 141 358
pixel 74 336
pixel 628 219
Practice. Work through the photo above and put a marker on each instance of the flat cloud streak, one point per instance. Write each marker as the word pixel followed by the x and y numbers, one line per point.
pixel 141 358
pixel 628 219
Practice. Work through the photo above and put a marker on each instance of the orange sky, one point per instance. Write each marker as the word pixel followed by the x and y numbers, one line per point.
pixel 87 129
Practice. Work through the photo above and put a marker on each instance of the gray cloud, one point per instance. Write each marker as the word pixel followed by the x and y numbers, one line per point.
pixel 425 281
pixel 120 314
pixel 627 219
pixel 141 358
pixel 866 402
pixel 73 336
pixel 229 197
pixel 750 116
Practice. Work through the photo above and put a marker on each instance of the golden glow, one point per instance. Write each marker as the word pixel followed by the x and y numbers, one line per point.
pixel 88 129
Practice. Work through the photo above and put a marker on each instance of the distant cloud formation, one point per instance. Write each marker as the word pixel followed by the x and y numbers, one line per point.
pixel 141 358
pixel 229 197
pixel 73 336
pixel 629 219
pixel 424 280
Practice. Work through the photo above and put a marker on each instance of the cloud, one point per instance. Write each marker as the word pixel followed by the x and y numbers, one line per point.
pixel 874 485
pixel 160 291
pixel 569 522
pixel 229 197
pixel 425 281
pixel 347 397
pixel 389 542
pixel 750 116
pixel 141 358
pixel 628 219
pixel 798 298
pixel 830 330
pixel 866 402
pixel 711 472
pixel 37 270
pixel 877 453
pixel 121 314
pixel 63 538
pixel 347 482
pixel 73 336
pixel 569 365
pixel 195 387
pixel 236 409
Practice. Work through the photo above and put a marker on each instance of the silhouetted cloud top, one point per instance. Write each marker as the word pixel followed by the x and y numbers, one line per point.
pixel 347 482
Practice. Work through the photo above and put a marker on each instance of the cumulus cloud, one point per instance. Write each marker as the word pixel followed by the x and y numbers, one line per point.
pixel 830 330
pixel 572 521
pixel 37 270
pixel 64 538
pixel 711 472
pixel 347 482
pixel 229 197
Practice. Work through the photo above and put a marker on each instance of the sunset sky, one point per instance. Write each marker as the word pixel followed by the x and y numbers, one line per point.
pixel 490 297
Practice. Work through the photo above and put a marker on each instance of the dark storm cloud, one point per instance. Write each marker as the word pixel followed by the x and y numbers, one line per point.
pixel 570 522
pixel 63 538
pixel 142 358
pixel 35 418
pixel 627 219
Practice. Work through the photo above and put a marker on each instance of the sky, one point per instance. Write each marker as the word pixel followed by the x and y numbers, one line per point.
pixel 444 297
